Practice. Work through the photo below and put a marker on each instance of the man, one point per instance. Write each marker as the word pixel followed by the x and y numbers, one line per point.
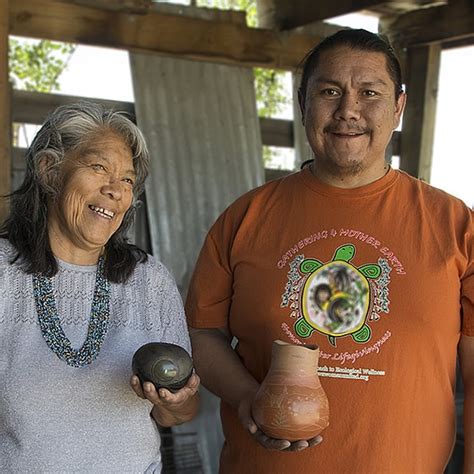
pixel 406 250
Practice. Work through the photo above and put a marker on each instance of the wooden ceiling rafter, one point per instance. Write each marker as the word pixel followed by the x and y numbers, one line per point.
pixel 290 14
pixel 128 6
pixel 227 42
pixel 443 24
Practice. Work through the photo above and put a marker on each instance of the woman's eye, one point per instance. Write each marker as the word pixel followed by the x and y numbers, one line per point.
pixel 98 167
pixel 128 181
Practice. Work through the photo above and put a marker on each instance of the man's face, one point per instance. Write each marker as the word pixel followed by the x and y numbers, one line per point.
pixel 350 110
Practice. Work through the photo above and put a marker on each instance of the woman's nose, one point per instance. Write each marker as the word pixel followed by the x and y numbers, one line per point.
pixel 113 189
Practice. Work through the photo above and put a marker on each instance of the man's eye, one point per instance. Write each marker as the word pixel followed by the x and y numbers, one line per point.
pixel 370 93
pixel 330 92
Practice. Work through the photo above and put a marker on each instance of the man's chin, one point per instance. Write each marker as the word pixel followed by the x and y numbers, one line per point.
pixel 347 167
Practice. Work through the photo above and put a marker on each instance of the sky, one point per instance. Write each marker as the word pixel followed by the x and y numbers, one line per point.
pixel 453 156
pixel 105 73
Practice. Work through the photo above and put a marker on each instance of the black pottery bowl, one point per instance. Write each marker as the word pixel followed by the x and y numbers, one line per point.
pixel 165 365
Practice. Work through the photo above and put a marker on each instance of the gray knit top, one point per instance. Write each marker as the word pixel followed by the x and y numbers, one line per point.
pixel 57 418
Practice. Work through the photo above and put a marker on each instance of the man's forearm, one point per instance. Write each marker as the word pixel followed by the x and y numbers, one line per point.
pixel 220 368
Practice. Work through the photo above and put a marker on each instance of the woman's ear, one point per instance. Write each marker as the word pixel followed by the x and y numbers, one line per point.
pixel 48 173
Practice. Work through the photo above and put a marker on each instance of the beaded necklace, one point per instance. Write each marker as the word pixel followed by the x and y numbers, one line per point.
pixel 51 325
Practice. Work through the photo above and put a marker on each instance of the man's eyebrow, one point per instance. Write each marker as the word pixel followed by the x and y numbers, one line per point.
pixel 326 80
pixel 377 82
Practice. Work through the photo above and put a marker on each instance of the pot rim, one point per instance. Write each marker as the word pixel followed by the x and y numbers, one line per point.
pixel 311 347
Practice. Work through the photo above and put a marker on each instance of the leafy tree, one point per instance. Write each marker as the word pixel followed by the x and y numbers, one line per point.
pixel 37 65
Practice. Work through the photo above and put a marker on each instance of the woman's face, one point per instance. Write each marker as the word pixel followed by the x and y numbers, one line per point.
pixel 97 190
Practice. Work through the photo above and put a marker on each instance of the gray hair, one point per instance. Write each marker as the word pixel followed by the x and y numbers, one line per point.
pixel 66 130
pixel 69 128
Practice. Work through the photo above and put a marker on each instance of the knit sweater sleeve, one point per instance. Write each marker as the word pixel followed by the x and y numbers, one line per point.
pixel 172 321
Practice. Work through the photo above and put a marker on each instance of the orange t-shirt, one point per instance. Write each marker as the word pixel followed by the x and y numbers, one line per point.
pixel 381 278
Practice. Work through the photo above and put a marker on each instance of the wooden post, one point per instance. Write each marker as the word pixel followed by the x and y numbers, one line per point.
pixel 5 121
pixel 303 151
pixel 419 119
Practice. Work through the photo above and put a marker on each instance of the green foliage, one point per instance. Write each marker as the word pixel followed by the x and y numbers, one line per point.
pixel 269 91
pixel 37 65
pixel 248 6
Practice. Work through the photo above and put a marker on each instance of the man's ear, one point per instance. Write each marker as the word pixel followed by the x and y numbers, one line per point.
pixel 399 108
pixel 301 104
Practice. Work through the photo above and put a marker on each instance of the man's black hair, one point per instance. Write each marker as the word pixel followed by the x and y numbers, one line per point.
pixel 357 39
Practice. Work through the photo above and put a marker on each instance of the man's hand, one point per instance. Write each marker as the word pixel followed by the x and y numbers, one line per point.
pixel 245 416
pixel 170 408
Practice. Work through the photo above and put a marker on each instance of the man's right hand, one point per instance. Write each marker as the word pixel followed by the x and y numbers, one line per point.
pixel 245 417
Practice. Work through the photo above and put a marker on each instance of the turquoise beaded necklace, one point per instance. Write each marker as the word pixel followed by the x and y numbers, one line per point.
pixel 50 323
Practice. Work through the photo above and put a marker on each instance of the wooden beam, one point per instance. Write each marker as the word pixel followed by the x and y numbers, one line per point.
pixel 276 132
pixel 176 35
pixel 142 7
pixel 459 43
pixel 454 21
pixel 288 14
pixel 137 6
pixel 420 113
pixel 284 14
pixel 5 119
pixel 33 107
pixel 396 8
pixel 272 173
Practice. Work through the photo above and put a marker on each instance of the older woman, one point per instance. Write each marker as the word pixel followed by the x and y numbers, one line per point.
pixel 76 302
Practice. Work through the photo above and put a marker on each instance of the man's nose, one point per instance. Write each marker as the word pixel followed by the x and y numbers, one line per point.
pixel 348 107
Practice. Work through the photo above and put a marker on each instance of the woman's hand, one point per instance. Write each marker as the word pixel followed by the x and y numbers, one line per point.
pixel 170 408
pixel 245 416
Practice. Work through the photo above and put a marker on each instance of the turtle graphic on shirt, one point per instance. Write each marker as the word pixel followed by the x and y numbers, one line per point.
pixel 336 297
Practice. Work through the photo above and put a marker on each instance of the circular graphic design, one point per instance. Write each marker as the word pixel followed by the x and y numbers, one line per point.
pixel 335 299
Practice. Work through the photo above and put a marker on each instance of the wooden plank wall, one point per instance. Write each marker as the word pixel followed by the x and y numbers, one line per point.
pixel 5 120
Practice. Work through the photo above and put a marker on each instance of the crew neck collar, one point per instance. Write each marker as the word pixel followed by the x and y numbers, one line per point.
pixel 316 185
pixel 76 268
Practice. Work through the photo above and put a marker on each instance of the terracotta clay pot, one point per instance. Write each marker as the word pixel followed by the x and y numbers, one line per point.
pixel 291 404
pixel 165 365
